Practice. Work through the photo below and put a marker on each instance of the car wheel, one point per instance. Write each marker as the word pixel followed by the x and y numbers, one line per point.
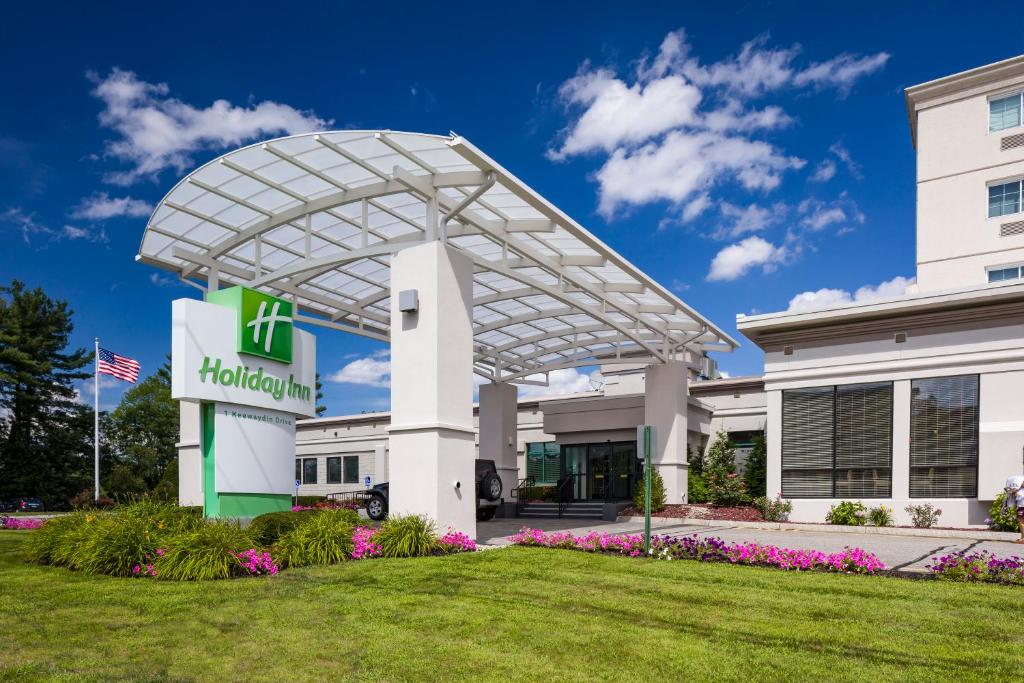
pixel 485 514
pixel 490 487
pixel 376 508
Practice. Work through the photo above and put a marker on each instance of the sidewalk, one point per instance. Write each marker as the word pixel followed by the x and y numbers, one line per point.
pixel 911 553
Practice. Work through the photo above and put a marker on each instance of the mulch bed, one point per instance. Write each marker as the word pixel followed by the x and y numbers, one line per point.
pixel 727 514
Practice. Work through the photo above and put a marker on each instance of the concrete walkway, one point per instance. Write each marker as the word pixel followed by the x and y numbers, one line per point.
pixel 907 553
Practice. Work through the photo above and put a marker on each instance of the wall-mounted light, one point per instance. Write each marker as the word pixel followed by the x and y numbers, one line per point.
pixel 408 301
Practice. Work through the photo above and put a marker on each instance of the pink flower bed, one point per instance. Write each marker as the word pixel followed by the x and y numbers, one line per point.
pixel 19 523
pixel 362 543
pixel 457 542
pixel 256 563
pixel 850 560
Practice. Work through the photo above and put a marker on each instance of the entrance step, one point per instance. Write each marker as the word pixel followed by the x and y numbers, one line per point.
pixel 581 510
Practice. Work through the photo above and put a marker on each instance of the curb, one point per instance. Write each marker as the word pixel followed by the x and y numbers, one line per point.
pixel 980 535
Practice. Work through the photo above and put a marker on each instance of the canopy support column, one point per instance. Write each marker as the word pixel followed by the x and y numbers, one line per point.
pixel 431 450
pixel 499 416
pixel 665 407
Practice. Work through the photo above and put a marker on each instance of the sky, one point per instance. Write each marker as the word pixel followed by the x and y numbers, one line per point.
pixel 752 158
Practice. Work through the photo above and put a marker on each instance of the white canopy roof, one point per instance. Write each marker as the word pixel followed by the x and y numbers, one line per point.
pixel 316 217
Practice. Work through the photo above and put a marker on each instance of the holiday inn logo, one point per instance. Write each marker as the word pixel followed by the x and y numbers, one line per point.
pixel 264 322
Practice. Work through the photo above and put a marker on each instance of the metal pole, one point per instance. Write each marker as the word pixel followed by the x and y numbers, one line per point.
pixel 647 490
pixel 96 420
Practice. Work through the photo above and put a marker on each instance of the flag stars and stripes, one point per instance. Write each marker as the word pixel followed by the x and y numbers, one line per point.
pixel 120 367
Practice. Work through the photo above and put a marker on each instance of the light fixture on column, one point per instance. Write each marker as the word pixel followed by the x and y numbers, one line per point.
pixel 408 301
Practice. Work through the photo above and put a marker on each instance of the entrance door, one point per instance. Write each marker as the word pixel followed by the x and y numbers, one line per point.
pixel 623 468
pixel 599 471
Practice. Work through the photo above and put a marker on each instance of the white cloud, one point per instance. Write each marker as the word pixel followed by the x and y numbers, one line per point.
pixel 159 280
pixel 818 215
pixel 615 113
pixel 372 371
pixel 156 131
pixel 674 128
pixel 828 298
pixel 101 206
pixel 841 72
pixel 684 164
pixel 744 219
pixel 562 382
pixel 92 234
pixel 843 154
pixel 25 222
pixel 735 260
pixel 824 171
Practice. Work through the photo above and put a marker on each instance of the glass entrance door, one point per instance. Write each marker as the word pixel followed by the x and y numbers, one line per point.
pixel 623 469
pixel 599 471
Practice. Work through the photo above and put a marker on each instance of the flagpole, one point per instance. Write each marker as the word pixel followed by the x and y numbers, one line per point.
pixel 96 417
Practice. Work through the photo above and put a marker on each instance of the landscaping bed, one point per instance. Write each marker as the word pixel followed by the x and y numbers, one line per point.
pixel 740 513
pixel 443 619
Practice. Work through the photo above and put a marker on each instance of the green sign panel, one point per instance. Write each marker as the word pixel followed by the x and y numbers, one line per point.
pixel 264 322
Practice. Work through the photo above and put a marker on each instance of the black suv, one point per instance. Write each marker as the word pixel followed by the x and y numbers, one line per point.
pixel 488 494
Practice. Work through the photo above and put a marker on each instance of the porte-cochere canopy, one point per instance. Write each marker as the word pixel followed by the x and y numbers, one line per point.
pixel 316 217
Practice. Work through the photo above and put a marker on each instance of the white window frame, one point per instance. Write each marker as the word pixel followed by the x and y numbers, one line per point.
pixel 1003 96
pixel 989 269
pixel 1005 181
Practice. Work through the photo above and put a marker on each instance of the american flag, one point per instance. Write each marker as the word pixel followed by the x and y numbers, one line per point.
pixel 120 367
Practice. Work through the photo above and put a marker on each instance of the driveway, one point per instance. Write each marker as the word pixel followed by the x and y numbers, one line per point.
pixel 910 553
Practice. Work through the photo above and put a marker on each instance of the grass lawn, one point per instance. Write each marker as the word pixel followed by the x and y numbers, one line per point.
pixel 518 613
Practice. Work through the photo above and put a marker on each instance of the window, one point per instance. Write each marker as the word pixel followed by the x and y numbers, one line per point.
pixel 1003 199
pixel 544 462
pixel 333 470
pixel 1004 113
pixel 309 470
pixel 1000 274
pixel 944 437
pixel 837 441
pixel 351 469
pixel 298 469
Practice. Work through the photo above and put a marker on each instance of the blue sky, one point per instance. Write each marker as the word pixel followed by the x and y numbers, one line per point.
pixel 750 158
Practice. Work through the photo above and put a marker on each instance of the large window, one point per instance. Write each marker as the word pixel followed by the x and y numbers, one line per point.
pixel 944 437
pixel 309 470
pixel 333 470
pixel 1004 112
pixel 837 441
pixel 544 462
pixel 1003 199
pixel 351 469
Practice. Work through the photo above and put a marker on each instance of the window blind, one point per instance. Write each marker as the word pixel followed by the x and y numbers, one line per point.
pixel 837 441
pixel 808 420
pixel 1004 113
pixel 333 470
pixel 944 437
pixel 864 440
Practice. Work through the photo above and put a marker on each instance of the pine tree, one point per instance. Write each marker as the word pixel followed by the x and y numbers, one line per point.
pixel 320 409
pixel 45 445
pixel 657 493
pixel 721 456
pixel 755 473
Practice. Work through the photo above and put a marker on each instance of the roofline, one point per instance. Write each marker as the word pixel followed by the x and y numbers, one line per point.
pixel 976 77
pixel 744 382
pixel 755 326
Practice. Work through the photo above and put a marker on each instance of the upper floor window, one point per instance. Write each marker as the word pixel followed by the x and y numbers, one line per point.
pixel 1003 199
pixel 1007 273
pixel 1004 112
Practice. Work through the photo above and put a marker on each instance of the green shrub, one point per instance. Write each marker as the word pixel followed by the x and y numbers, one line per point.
pixel 773 509
pixel 923 516
pixel 206 552
pixel 755 470
pixel 116 543
pixel 267 529
pixel 163 517
pixel 47 544
pixel 847 513
pixel 1000 519
pixel 880 516
pixel 726 488
pixel 310 500
pixel 324 537
pixel 406 536
pixel 657 492
pixel 85 501
pixel 696 488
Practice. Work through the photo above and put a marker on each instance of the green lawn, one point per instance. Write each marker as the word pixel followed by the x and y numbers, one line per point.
pixel 518 613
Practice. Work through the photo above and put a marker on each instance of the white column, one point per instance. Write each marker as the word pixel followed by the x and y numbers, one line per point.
pixel 773 439
pixel 190 455
pixel 665 408
pixel 431 446
pixel 380 463
pixel 498 430
pixel 900 445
